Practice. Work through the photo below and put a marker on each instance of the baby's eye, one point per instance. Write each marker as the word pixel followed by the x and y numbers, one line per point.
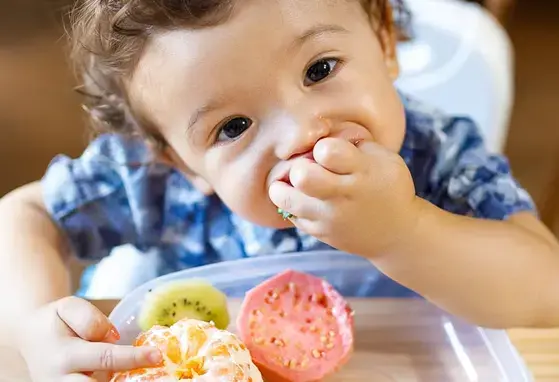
pixel 234 128
pixel 320 70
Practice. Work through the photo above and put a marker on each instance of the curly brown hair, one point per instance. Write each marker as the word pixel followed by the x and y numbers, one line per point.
pixel 107 38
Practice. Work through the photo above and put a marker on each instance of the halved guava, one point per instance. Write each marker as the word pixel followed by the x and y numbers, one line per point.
pixel 297 327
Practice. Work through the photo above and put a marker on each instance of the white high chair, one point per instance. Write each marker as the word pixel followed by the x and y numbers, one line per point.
pixel 460 61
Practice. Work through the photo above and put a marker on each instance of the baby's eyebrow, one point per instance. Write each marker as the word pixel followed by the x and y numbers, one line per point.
pixel 316 31
pixel 198 113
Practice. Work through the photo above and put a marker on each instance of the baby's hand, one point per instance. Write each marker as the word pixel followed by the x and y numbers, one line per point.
pixel 356 198
pixel 70 339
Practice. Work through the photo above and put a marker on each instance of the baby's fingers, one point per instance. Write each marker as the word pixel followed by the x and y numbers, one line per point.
pixel 314 180
pixel 84 319
pixel 293 201
pixel 98 356
pixel 337 155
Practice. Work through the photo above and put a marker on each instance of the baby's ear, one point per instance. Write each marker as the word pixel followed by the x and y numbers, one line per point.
pixel 169 157
pixel 382 19
pixel 389 40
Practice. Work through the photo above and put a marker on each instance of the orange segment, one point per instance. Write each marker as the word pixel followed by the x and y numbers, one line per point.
pixel 163 339
pixel 142 375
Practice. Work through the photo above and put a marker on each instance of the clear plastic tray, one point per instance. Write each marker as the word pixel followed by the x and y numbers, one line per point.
pixel 413 342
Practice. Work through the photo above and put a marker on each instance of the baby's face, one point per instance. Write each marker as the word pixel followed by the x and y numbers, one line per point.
pixel 238 103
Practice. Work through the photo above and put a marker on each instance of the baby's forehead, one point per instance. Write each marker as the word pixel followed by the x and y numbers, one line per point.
pixel 256 29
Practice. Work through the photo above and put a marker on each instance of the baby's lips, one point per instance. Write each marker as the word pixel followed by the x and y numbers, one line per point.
pixel 352 133
pixel 354 140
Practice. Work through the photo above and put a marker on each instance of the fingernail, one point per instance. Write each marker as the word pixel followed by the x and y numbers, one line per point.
pixel 112 335
pixel 154 356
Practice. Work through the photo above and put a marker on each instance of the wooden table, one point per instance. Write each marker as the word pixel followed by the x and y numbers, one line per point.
pixel 398 341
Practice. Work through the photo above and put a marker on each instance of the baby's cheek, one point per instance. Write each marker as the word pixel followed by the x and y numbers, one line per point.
pixel 246 195
pixel 393 134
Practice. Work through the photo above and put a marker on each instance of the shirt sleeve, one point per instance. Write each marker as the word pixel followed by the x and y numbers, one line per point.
pixel 110 196
pixel 469 180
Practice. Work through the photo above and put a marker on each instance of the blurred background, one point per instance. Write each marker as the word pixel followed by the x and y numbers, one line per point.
pixel 40 115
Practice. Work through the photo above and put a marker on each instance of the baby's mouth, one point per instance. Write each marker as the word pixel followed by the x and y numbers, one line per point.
pixel 285 179
pixel 354 140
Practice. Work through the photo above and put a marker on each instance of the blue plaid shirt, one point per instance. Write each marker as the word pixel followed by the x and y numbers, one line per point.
pixel 114 194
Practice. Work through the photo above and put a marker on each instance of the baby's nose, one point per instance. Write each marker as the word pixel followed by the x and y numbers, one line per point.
pixel 299 137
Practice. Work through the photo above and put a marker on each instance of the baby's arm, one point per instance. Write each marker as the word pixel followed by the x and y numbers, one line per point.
pixel 32 257
pixel 498 268
pixel 495 273
pixel 81 207
pixel 59 338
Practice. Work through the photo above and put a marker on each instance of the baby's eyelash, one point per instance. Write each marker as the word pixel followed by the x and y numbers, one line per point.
pixel 237 125
pixel 322 69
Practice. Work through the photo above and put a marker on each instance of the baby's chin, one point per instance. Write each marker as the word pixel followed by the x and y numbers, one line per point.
pixel 255 208
pixel 268 218
pixel 271 221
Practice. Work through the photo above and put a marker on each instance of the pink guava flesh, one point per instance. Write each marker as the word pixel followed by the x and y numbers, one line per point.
pixel 297 327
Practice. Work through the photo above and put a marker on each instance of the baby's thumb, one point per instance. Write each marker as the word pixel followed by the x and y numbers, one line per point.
pixel 84 319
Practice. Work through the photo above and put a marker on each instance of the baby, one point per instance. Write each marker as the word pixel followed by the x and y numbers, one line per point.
pixel 213 115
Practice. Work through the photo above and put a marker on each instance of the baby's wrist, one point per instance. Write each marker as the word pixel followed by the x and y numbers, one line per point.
pixel 411 230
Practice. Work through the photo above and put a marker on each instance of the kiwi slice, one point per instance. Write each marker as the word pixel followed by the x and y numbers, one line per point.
pixel 194 298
